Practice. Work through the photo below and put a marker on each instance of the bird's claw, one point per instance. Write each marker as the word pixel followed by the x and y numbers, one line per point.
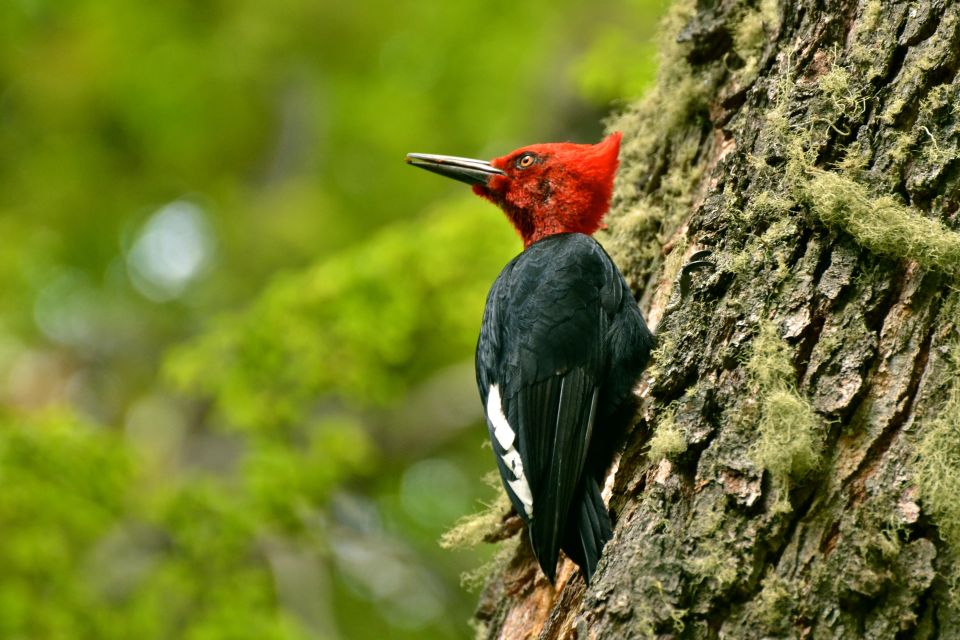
pixel 696 262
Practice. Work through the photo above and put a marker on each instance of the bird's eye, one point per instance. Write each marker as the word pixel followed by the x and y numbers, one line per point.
pixel 526 160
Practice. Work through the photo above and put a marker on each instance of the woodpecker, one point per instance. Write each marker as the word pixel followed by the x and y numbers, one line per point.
pixel 561 345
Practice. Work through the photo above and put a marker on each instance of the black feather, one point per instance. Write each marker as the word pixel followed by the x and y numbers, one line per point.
pixel 564 342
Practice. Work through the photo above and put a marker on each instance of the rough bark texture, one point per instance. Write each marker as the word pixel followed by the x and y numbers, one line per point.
pixel 794 470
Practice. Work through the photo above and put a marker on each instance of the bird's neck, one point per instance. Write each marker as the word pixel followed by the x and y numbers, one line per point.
pixel 536 225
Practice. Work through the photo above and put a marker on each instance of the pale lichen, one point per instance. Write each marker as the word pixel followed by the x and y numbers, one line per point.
pixel 882 224
pixel 668 438
pixel 473 529
pixel 790 439
pixel 484 526
pixel 790 443
pixel 938 457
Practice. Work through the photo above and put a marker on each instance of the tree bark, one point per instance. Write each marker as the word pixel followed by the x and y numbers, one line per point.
pixel 794 471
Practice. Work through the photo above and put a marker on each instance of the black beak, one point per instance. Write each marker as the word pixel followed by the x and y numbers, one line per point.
pixel 462 169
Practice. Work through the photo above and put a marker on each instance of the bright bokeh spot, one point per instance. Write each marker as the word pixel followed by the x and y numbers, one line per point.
pixel 173 248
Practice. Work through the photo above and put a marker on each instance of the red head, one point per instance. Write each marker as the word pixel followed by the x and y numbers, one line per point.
pixel 544 188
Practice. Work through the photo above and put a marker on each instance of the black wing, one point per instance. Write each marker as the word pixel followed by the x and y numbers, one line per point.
pixel 542 358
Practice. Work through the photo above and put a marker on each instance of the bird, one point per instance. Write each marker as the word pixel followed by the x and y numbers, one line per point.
pixel 562 342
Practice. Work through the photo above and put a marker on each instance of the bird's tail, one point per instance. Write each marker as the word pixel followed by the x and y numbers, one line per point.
pixel 590 529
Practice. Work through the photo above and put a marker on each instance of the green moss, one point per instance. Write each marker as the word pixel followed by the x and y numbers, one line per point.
pixel 839 198
pixel 902 143
pixel 647 123
pixel 769 365
pixel 654 612
pixel 668 278
pixel 668 439
pixel 484 526
pixel 471 530
pixel 871 35
pixel 927 57
pixel 790 440
pixel 676 95
pixel 855 162
pixel 770 205
pixel 713 561
pixel 789 443
pixel 844 99
pixel 774 605
pixel 631 236
pixel 666 345
pixel 939 105
pixel 713 558
pixel 476 528
pixel 751 33
pixel 769 248
pixel 662 128
pixel 871 16
pixel 881 224
pixel 938 464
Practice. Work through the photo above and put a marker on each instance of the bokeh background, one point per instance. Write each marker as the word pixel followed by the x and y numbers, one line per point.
pixel 236 331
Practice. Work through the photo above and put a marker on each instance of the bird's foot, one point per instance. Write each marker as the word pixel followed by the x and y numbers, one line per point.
pixel 696 262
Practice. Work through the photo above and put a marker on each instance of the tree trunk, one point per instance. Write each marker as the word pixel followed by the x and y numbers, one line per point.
pixel 795 468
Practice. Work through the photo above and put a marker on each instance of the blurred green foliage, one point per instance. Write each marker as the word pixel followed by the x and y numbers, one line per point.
pixel 63 489
pixel 364 325
pixel 237 397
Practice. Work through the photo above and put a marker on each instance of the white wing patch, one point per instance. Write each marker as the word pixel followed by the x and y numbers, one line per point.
pixel 522 489
pixel 501 428
pixel 505 437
